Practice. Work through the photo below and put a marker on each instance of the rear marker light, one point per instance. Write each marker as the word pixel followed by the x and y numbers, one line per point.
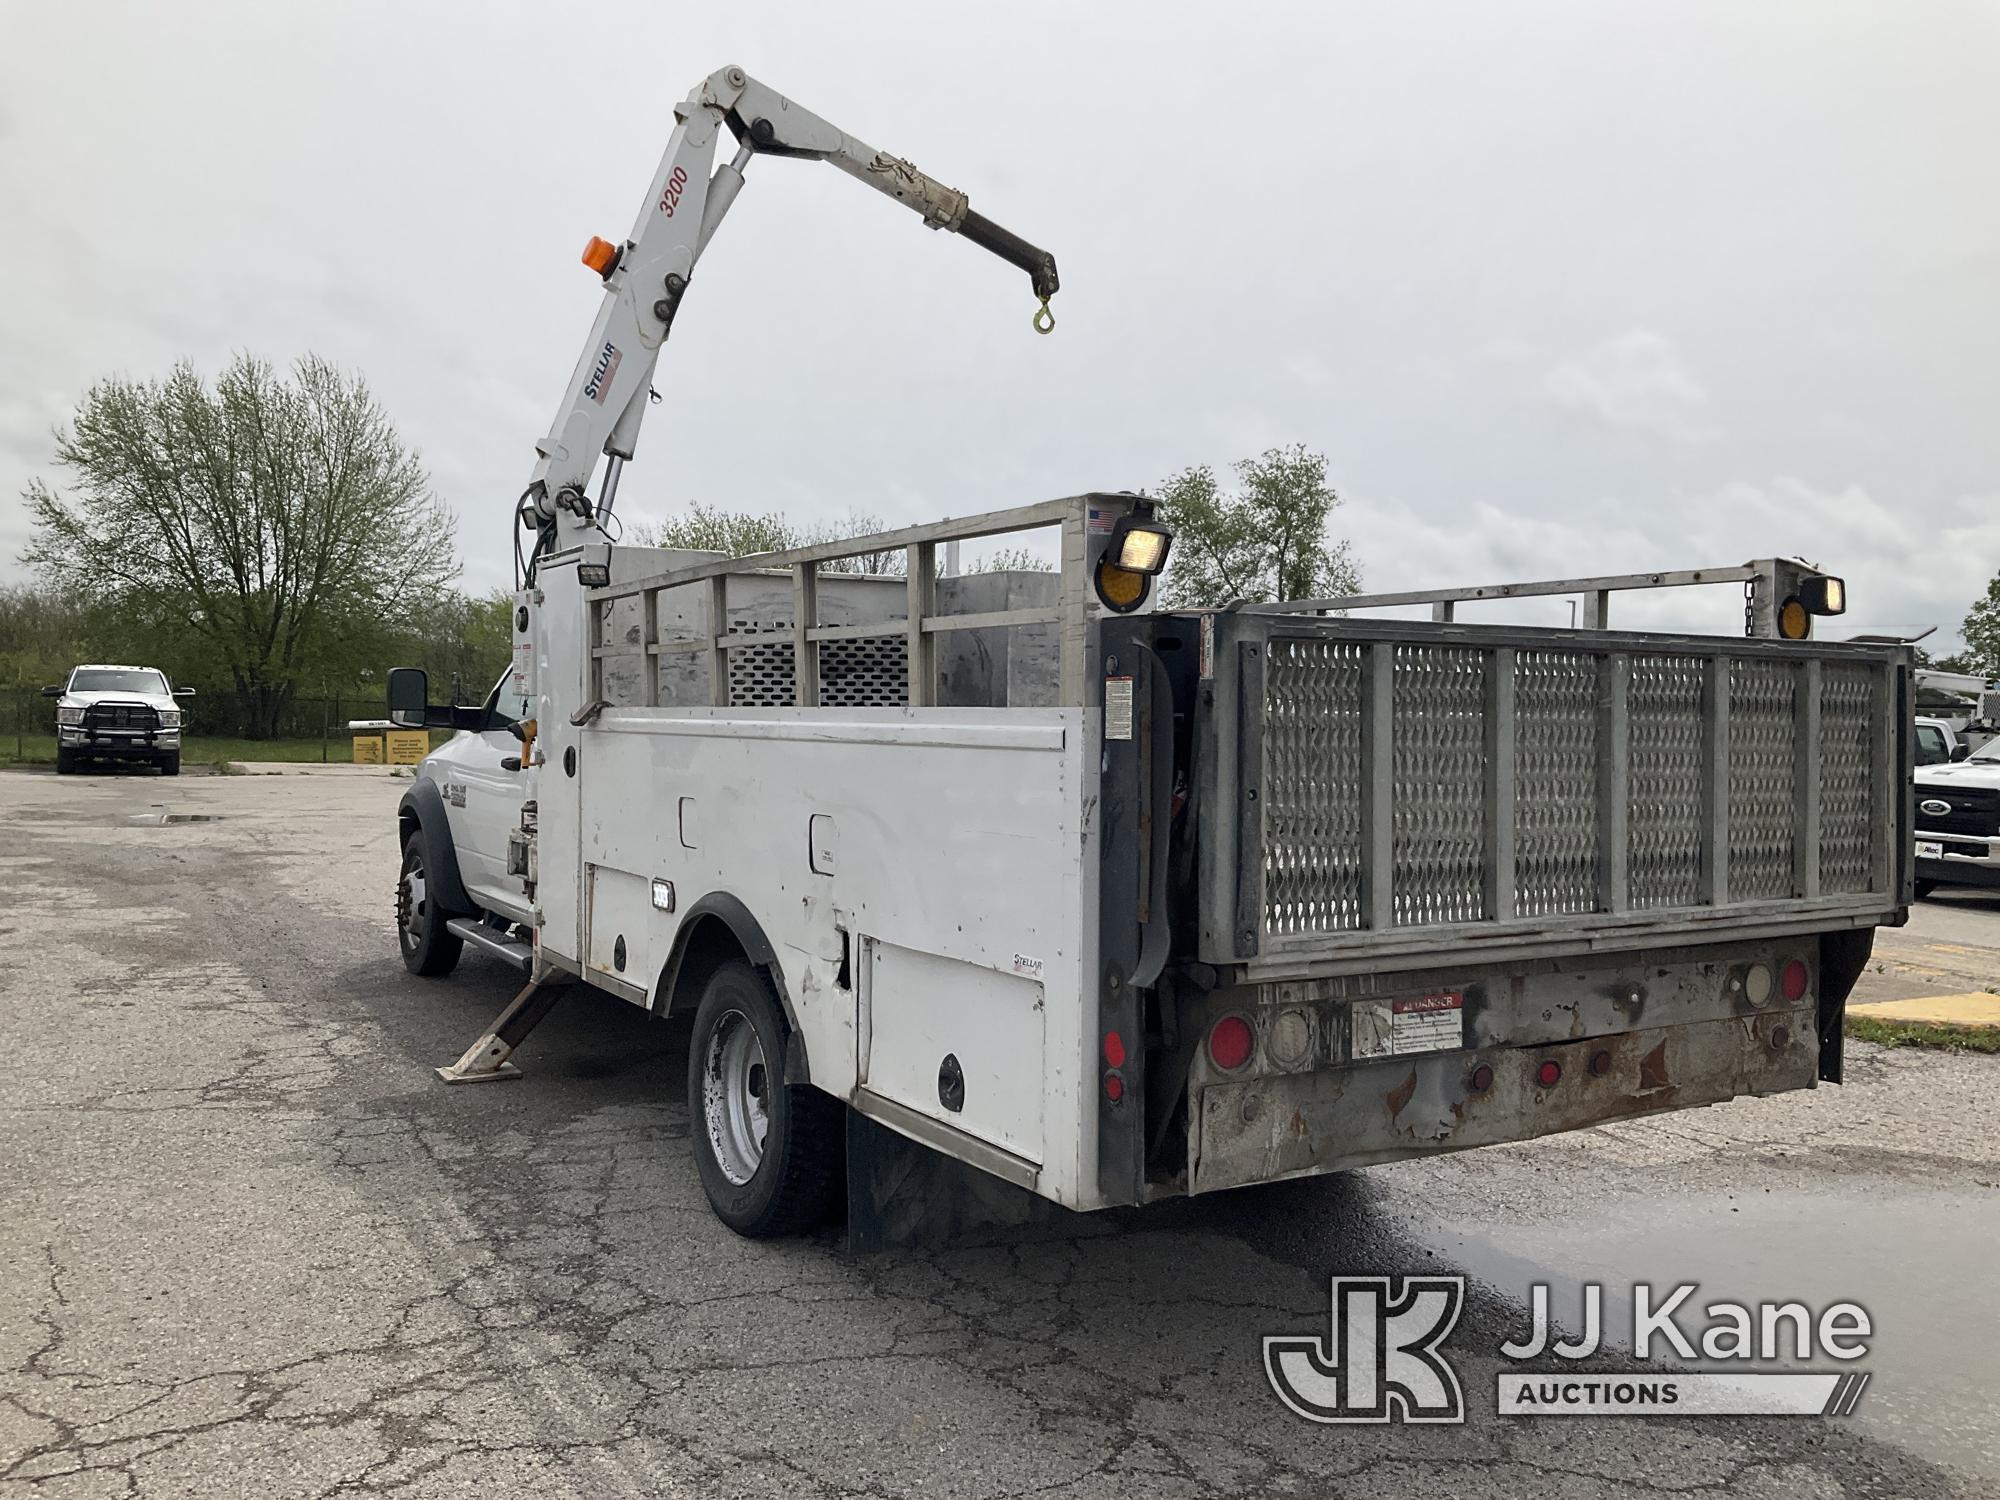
pixel 1600 1064
pixel 1114 1049
pixel 1792 979
pixel 1114 1086
pixel 1548 1074
pixel 1482 1079
pixel 1230 1042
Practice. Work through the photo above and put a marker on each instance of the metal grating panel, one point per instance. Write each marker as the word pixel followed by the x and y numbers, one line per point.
pixel 1555 768
pixel 1848 737
pixel 1763 736
pixel 1664 807
pixel 868 672
pixel 1312 787
pixel 1439 699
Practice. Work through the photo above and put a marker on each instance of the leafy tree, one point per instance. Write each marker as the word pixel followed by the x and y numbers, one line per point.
pixel 1266 540
pixel 701 528
pixel 280 527
pixel 1013 560
pixel 1982 634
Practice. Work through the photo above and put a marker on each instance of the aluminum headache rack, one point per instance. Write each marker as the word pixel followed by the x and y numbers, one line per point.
pixel 1378 790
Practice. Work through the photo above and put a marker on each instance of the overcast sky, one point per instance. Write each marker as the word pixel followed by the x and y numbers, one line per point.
pixel 1559 289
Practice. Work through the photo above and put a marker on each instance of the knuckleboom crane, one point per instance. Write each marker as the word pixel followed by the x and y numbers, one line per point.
pixel 646 278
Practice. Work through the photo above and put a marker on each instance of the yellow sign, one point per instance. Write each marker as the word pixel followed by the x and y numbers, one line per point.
pixel 408 747
pixel 368 749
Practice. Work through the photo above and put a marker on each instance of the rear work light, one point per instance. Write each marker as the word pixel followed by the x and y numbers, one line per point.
pixel 1230 1043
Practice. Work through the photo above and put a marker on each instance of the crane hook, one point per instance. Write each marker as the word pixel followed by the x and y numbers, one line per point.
pixel 1045 321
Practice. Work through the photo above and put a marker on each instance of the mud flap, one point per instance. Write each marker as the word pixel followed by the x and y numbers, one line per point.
pixel 903 1195
pixel 1842 958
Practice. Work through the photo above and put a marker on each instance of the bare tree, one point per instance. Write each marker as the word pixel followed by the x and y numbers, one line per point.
pixel 284 520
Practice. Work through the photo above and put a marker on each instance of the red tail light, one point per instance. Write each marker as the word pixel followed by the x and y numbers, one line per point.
pixel 1230 1043
pixel 1114 1085
pixel 1114 1049
pixel 1792 979
pixel 1549 1074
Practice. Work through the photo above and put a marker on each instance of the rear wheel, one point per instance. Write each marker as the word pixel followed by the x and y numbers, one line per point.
pixel 428 949
pixel 1925 887
pixel 769 1153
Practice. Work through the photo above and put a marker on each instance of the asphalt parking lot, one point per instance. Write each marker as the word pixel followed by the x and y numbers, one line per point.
pixel 254 1248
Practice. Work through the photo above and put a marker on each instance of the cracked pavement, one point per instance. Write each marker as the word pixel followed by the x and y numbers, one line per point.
pixel 255 1248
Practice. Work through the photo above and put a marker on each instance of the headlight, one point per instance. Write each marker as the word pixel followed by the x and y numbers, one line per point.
pixel 69 716
pixel 170 718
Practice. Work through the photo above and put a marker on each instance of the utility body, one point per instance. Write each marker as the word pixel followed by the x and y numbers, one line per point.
pixel 1112 903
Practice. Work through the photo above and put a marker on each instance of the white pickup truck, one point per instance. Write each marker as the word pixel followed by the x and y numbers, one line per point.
pixel 120 714
pixel 1114 904
pixel 1958 820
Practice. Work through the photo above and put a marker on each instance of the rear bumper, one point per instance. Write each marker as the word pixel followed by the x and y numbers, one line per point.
pixel 1300 1124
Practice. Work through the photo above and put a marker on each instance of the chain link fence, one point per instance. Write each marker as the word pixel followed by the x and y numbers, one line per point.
pixel 215 725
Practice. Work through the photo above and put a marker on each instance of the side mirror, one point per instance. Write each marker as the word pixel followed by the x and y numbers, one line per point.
pixel 409 696
pixel 183 692
pixel 52 692
pixel 1961 752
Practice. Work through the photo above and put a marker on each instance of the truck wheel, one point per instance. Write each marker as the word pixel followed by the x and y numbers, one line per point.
pixel 170 763
pixel 1924 888
pixel 428 949
pixel 65 761
pixel 769 1153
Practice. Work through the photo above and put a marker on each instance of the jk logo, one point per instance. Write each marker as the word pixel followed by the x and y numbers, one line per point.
pixel 1381 1361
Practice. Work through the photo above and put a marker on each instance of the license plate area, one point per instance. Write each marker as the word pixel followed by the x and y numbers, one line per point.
pixel 1406 1024
pixel 1930 849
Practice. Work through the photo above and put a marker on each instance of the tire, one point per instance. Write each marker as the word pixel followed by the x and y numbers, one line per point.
pixel 65 761
pixel 1924 888
pixel 170 763
pixel 427 948
pixel 786 1178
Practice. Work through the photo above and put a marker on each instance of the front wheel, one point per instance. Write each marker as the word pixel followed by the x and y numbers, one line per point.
pixel 769 1153
pixel 428 949
pixel 1924 888
pixel 65 761
pixel 170 763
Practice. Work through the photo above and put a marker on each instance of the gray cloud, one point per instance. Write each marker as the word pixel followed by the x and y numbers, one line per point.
pixel 1555 286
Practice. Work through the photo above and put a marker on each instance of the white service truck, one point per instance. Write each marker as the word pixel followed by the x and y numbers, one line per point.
pixel 1114 903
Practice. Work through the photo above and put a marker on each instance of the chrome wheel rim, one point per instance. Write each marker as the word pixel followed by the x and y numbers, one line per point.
pixel 411 897
pixel 736 1096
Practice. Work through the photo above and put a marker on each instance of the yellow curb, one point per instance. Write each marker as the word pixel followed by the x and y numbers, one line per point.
pixel 1975 1009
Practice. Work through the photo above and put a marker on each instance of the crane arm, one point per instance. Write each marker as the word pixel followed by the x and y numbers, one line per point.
pixel 645 279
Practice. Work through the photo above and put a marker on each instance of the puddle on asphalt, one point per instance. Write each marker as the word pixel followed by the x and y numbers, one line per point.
pixel 1919 1261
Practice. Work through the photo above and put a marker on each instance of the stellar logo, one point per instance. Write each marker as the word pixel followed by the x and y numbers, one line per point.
pixel 599 384
pixel 1380 1360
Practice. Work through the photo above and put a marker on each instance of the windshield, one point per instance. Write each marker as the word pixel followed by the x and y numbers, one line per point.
pixel 1988 751
pixel 116 680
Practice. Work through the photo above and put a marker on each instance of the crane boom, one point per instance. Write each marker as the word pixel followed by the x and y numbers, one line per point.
pixel 646 278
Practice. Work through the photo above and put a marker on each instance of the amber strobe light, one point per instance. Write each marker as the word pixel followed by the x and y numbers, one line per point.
pixel 600 255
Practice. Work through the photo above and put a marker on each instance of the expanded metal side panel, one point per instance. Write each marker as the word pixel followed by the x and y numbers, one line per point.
pixel 866 672
pixel 1848 776
pixel 1438 815
pixel 1665 799
pixel 1762 743
pixel 1312 787
pixel 1555 777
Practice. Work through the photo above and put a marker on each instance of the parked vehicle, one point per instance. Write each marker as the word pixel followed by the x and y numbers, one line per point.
pixel 107 713
pixel 1113 903
pixel 1958 821
pixel 1938 743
